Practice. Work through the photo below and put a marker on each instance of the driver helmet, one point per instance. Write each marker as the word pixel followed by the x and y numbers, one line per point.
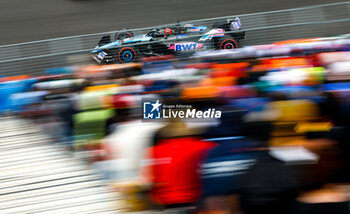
pixel 168 31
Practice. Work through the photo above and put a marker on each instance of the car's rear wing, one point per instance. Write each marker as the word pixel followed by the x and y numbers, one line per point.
pixel 236 23
pixel 229 24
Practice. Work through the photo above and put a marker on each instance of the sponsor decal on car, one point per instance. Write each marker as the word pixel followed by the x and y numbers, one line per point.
pixel 197 29
pixel 188 46
pixel 194 30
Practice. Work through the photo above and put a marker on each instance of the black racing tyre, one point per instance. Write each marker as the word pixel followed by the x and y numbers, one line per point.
pixel 123 35
pixel 227 43
pixel 127 55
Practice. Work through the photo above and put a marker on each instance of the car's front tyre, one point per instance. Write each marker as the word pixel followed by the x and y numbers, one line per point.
pixel 127 55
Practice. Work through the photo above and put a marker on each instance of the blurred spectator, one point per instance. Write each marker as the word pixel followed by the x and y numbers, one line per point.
pixel 271 184
pixel 288 178
pixel 173 165
pixel 320 192
pixel 65 108
pixel 225 165
pixel 126 143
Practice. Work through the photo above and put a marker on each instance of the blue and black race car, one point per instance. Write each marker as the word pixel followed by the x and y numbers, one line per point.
pixel 177 40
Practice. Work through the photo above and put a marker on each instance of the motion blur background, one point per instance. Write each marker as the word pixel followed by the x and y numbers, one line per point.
pixel 23 21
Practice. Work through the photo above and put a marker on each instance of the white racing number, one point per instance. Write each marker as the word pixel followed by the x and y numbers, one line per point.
pixel 102 55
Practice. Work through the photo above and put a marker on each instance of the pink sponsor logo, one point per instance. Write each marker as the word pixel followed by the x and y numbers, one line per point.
pixel 185 46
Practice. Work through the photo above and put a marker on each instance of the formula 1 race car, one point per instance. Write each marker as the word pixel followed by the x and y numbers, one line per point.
pixel 177 40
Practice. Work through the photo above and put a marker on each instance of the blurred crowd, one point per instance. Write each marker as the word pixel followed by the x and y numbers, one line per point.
pixel 281 145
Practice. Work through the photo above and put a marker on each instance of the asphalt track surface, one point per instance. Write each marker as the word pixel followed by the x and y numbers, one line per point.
pixel 30 20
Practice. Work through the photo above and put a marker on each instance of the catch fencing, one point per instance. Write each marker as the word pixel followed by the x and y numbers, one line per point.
pixel 261 28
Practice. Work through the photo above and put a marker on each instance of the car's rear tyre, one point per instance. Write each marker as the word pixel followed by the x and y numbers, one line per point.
pixel 227 43
pixel 127 55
